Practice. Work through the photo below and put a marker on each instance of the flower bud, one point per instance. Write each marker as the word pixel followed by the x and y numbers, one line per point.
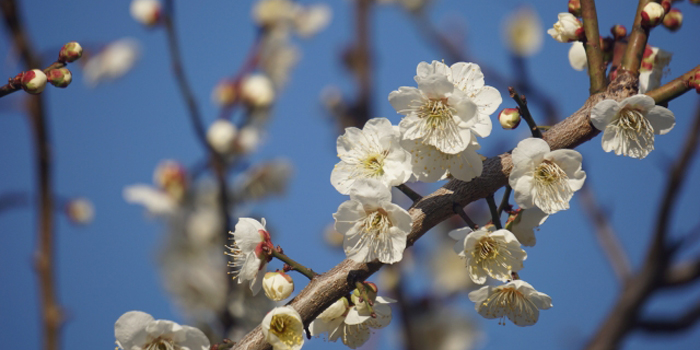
pixel 523 32
pixel 70 52
pixel 221 136
pixel 652 14
pixel 371 290
pixel 695 81
pixel 225 94
pixel 575 7
pixel 146 12
pixel 618 31
pixel 567 29
pixel 171 177
pixel 673 20
pixel 60 77
pixel 509 118
pixel 34 81
pixel 278 285
pixel 666 5
pixel 257 91
pixel 80 211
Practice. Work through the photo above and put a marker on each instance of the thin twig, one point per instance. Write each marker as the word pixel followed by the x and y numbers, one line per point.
pixel 462 214
pixel 44 255
pixel 409 192
pixel 309 273
pixel 594 54
pixel 681 274
pixel 525 112
pixel 504 201
pixel 496 219
pixel 605 234
pixel 675 324
pixel 674 88
pixel 639 35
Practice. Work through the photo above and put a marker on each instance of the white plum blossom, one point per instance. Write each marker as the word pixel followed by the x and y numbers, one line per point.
pixel 136 330
pixel 629 126
pixel 523 225
pixel 374 227
pixel 331 320
pixel 283 328
pixel 495 254
pixel 248 252
pixel 468 78
pixel 577 56
pixel 567 29
pixel 654 65
pixel 373 152
pixel 517 300
pixel 543 178
pixel 278 285
pixel 523 32
pixel 431 165
pixel 437 113
pixel 113 62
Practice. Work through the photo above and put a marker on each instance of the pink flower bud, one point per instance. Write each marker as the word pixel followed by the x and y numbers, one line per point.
pixel 666 5
pixel 171 177
pixel 225 93
pixel 146 12
pixel 575 7
pixel 618 31
pixel 509 118
pixel 673 20
pixel 60 77
pixel 80 211
pixel 70 52
pixel 34 81
pixel 652 14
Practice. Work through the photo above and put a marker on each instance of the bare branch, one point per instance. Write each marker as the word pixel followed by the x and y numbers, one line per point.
pixel 639 35
pixel 674 88
pixel 676 324
pixel 596 66
pixel 605 234
pixel 682 274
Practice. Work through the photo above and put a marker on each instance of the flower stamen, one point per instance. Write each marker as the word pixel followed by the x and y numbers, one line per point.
pixel 287 329
pixel 553 190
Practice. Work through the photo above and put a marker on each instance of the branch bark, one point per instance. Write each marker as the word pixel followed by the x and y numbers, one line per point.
pixel 594 54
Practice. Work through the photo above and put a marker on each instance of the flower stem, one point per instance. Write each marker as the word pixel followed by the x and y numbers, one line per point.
pixel 462 214
pixel 594 54
pixel 674 88
pixel 409 192
pixel 309 273
pixel 639 35
pixel 525 112
pixel 495 217
pixel 504 201
pixel 363 293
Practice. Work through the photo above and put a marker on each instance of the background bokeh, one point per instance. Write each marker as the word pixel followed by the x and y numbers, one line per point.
pixel 114 135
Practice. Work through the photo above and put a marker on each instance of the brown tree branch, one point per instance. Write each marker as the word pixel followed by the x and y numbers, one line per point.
pixel 605 234
pixel 682 274
pixel 674 88
pixel 325 289
pixel 596 66
pixel 639 35
pixel 676 324
pixel 44 256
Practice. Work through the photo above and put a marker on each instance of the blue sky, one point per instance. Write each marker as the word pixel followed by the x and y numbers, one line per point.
pixel 112 136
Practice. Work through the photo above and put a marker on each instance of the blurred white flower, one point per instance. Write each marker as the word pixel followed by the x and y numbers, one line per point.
pixel 371 153
pixel 543 178
pixel 312 19
pixel 495 254
pixel 157 202
pixel 221 136
pixel 577 56
pixel 374 228
pixel 265 179
pixel 283 329
pixel 114 61
pixel 136 330
pixel 446 328
pixel 523 32
pixel 306 20
pixel 249 259
pixel 567 29
pixel 447 270
pixel 524 223
pixel 654 66
pixel 278 56
pixel 278 285
pixel 146 12
pixel 629 126
pixel 248 140
pixel 257 91
pixel 517 300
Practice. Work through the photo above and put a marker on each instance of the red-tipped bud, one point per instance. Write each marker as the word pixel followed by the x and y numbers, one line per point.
pixel 225 93
pixel 673 20
pixel 70 52
pixel 171 177
pixel 652 14
pixel 666 5
pixel 618 31
pixel 60 77
pixel 146 12
pixel 695 81
pixel 575 7
pixel 509 118
pixel 34 81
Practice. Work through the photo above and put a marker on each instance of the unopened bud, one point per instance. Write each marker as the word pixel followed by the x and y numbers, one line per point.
pixel 171 177
pixel 257 91
pixel 146 12
pixel 652 14
pixel 618 31
pixel 371 292
pixel 225 94
pixel 80 211
pixel 575 7
pixel 695 81
pixel 666 5
pixel 221 136
pixel 567 29
pixel 509 118
pixel 60 77
pixel 673 20
pixel 34 81
pixel 70 52
pixel 278 285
